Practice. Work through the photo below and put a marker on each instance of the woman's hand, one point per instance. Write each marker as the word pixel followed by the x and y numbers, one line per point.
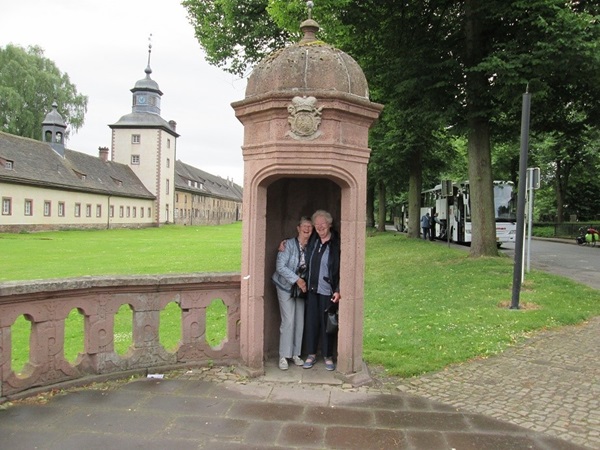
pixel 335 298
pixel 301 284
pixel 281 247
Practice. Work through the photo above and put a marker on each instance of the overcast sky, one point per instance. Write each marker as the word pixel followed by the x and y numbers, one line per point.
pixel 103 46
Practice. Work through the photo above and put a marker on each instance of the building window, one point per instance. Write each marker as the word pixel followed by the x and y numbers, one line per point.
pixel 142 212
pixel 77 209
pixel 135 139
pixel 168 146
pixel 135 159
pixel 134 211
pixel 98 210
pixel 6 206
pixel 111 211
pixel 61 209
pixel 28 207
pixel 149 212
pixel 168 187
pixel 121 211
pixel 47 208
pixel 168 162
pixel 88 210
pixel 8 165
pixel 128 211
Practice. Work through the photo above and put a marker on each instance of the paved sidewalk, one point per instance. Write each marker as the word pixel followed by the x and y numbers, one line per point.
pixel 540 395
pixel 550 384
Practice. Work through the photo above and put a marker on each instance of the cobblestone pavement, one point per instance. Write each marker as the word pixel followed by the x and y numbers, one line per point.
pixel 550 384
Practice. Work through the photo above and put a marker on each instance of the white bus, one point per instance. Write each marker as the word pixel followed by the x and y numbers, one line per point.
pixel 457 207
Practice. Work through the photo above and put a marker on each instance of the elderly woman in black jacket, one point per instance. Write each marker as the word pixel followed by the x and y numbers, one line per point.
pixel 323 288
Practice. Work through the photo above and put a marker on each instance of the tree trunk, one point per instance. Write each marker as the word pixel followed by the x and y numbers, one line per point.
pixel 483 222
pixel 563 172
pixel 370 205
pixel 381 212
pixel 415 183
pixel 483 219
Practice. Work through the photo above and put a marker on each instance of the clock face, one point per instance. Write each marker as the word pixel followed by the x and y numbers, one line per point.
pixel 141 100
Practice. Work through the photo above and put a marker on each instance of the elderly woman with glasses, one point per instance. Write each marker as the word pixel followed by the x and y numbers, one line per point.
pixel 323 286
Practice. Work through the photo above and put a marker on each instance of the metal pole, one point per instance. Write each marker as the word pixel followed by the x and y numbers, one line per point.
pixel 516 289
pixel 529 214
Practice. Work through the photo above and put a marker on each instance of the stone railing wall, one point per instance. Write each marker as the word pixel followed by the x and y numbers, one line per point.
pixel 46 304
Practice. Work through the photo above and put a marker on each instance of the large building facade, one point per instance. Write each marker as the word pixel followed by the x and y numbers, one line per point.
pixel 138 182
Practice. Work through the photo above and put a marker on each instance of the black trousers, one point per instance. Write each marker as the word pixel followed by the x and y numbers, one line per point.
pixel 314 325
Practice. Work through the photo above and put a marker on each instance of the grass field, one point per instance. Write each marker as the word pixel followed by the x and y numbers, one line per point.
pixel 426 305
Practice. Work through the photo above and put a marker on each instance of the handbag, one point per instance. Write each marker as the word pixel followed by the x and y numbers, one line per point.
pixel 296 291
pixel 331 319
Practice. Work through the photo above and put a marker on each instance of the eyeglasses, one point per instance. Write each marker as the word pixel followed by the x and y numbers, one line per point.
pixel 321 225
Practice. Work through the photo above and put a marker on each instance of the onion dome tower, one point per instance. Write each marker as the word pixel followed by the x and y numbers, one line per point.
pixel 54 129
pixel 306 118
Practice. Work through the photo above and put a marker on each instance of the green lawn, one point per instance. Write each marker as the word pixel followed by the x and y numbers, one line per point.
pixel 426 306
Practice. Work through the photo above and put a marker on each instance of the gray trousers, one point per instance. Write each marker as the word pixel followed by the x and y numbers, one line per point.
pixel 292 324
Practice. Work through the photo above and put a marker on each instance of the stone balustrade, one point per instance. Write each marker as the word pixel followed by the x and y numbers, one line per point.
pixel 47 303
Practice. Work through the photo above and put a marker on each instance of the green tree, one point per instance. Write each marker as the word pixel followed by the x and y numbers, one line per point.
pixel 29 84
pixel 443 63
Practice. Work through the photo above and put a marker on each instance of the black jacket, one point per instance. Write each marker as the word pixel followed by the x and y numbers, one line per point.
pixel 333 264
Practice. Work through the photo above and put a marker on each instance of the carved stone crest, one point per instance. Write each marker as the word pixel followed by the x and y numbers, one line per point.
pixel 304 118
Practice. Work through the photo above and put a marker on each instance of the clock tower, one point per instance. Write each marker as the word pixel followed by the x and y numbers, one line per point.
pixel 147 143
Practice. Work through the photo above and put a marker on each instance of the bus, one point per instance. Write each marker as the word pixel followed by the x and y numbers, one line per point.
pixel 457 208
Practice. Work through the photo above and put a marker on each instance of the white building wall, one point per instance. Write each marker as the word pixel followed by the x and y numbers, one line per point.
pixel 151 155
pixel 83 210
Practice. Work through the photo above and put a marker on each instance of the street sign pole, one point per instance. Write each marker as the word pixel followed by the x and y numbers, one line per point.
pixel 516 290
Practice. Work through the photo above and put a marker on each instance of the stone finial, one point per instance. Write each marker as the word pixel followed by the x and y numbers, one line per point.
pixel 309 27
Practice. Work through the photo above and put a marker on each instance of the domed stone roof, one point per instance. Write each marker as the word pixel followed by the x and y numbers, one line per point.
pixel 310 65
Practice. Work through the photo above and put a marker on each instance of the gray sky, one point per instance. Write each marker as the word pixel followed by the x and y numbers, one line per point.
pixel 103 46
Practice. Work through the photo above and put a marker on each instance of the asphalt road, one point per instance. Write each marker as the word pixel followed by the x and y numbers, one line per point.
pixel 580 263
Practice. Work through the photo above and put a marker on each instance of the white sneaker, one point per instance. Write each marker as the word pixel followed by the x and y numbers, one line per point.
pixel 283 364
pixel 298 361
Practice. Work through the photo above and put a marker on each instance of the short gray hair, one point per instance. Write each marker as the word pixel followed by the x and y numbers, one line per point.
pixel 322 213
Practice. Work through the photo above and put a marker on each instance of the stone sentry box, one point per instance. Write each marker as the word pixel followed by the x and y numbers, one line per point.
pixel 306 118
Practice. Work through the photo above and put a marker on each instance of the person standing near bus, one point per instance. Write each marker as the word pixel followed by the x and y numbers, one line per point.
pixel 425 225
pixel 433 220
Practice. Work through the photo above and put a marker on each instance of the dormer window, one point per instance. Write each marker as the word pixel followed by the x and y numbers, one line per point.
pixel 118 182
pixel 81 176
pixel 8 165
